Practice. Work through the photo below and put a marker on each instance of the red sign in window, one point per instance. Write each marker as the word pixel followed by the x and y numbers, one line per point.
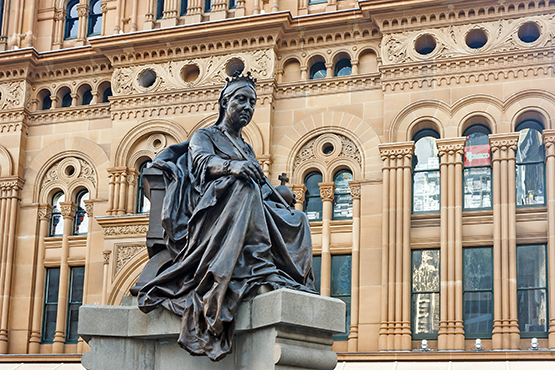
pixel 476 155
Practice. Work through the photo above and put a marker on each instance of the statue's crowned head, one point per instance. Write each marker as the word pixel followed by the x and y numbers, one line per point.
pixel 238 81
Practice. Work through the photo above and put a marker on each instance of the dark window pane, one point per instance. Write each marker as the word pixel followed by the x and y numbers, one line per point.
pixel 530 148
pixel 57 221
pixel 340 275
pixel 47 103
pixel 425 270
pixel 530 187
pixel 345 334
pixel 50 309
pixel 342 201
pixel 107 93
pixel 478 312
pixel 532 310
pixel 66 100
pixel 317 269
pixel 207 6
pixel 73 322
pixel 52 281
pixel 159 9
pixel 313 203
pixel 478 268
pixel 426 191
pixel 477 188
pixel 425 313
pixel 318 70
pixel 343 68
pixel 87 98
pixel 49 324
pixel 77 279
pixel 531 266
pixel 185 5
pixel 75 301
pixel 81 222
pixel 143 204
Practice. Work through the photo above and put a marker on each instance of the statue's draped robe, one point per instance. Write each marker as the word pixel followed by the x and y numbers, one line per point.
pixel 226 237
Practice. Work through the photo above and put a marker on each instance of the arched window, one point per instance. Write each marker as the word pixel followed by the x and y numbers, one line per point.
pixel 426 179
pixel 95 19
pixel 159 9
pixel 477 169
pixel 46 102
pixel 343 68
pixel 530 165
pixel 66 100
pixel 87 97
pixel 81 221
pixel 72 20
pixel 318 70
pixel 312 202
pixel 57 221
pixel 232 4
pixel 184 6
pixel 207 6
pixel 143 204
pixel 342 201
pixel 107 93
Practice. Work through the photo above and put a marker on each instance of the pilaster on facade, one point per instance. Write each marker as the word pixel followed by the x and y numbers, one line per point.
pixel 395 332
pixel 505 319
pixel 82 12
pixel 355 269
pixel 451 329
pixel 122 188
pixel 299 191
pixel 326 193
pixel 549 142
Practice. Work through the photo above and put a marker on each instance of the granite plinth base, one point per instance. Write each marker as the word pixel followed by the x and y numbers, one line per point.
pixel 281 330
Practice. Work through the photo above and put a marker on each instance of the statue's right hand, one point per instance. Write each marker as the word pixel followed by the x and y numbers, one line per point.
pixel 247 169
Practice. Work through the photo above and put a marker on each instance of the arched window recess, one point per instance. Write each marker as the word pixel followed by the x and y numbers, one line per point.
pixel 477 175
pixel 530 165
pixel 81 220
pixel 426 176
pixel 312 202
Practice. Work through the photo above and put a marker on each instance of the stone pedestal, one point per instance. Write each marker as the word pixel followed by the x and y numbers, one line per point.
pixel 279 330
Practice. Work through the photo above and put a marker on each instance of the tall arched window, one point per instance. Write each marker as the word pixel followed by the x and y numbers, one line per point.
pixel 477 169
pixel 207 6
pixel 342 201
pixel 232 4
pixel 426 178
pixel 57 221
pixel 95 19
pixel 143 204
pixel 81 221
pixel 530 165
pixel 312 202
pixel 184 6
pixel 46 102
pixel 318 70
pixel 343 68
pixel 159 9
pixel 66 100
pixel 87 97
pixel 72 20
pixel 107 93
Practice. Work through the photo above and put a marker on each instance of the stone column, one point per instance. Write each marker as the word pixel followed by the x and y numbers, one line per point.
pixel 82 12
pixel 326 193
pixel 117 22
pixel 111 189
pixel 451 332
pixel 134 15
pixel 395 333
pixel 329 70
pixel 132 177
pixel 44 214
pixel 240 10
pixel 354 67
pixel 275 6
pixel 219 10
pixel 299 191
pixel 194 12
pixel 331 6
pixel 355 269
pixel 549 141
pixel 89 208
pixel 68 213
pixel 171 14
pixel 505 320
pixel 149 16
pixel 304 73
pixel 59 21
pixel 256 7
pixel 29 36
pixel 104 7
pixel 105 275
pixel 122 192
pixel 74 101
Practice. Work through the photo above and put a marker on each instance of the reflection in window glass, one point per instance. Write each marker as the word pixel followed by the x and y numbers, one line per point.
pixel 184 6
pixel 81 223
pixel 317 269
pixel 341 288
pixel 47 102
pixel 318 70
pixel 425 293
pixel 342 201
pixel 67 100
pixel 159 9
pixel 312 202
pixel 50 308
pixel 477 172
pixel 95 19
pixel 107 93
pixel 57 221
pixel 77 277
pixel 143 204
pixel 87 98
pixel 478 292
pixel 426 178
pixel 343 68
pixel 532 290
pixel 530 168
pixel 72 20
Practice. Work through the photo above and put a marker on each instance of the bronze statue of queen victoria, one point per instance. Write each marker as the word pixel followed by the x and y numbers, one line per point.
pixel 227 231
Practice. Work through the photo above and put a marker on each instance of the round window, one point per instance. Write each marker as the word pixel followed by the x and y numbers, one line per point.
pixel 529 32
pixel 476 38
pixel 425 44
pixel 147 78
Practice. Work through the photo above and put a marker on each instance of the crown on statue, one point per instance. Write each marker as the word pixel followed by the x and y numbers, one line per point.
pixel 237 76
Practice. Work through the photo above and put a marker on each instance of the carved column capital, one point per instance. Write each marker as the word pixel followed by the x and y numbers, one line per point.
pixel 59 14
pixel 299 192
pixel 89 207
pixel 549 141
pixel 67 209
pixel 326 191
pixel 82 10
pixel 355 189
pixel 502 142
pixel 106 256
pixel 45 212
pixel 451 150
pixel 391 152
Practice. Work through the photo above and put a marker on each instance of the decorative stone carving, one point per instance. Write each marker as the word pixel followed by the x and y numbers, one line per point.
pixel 326 191
pixel 106 256
pixel 315 148
pixel 67 209
pixel 125 230
pixel 126 252
pixel 89 207
pixel 68 169
pixel 82 10
pixel 299 191
pixel 502 36
pixel 45 212
pixel 355 190
pixel 59 15
pixel 11 95
pixel 212 71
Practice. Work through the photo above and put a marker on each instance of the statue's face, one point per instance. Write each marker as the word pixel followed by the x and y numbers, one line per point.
pixel 240 107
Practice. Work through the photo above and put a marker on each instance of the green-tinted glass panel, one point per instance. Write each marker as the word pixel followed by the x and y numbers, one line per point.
pixel 50 309
pixel 341 275
pixel 77 279
pixel 478 268
pixel 425 270
pixel 530 184
pixel 317 269
pixel 531 266
pixel 425 313
pixel 426 191
pixel 75 300
pixel 49 324
pixel 478 313
pixel 532 311
pixel 477 188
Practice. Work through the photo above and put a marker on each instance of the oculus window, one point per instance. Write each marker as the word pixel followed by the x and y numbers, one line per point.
pixel 342 201
pixel 426 177
pixel 478 292
pixel 425 293
pixel 477 184
pixel 530 165
pixel 312 202
pixel 143 204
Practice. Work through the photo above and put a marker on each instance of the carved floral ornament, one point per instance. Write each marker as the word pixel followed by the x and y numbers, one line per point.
pixel 327 191
pixel 11 95
pixel 69 169
pixel 205 71
pixel 125 252
pixel 450 41
pixel 326 148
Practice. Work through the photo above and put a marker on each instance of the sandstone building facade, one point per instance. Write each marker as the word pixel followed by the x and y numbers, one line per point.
pixel 418 136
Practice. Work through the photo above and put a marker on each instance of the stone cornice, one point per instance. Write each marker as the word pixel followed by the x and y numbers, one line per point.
pixel 328 85
pixel 451 145
pixel 124 225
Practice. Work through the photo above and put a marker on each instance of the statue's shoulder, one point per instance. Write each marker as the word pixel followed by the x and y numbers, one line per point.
pixel 203 134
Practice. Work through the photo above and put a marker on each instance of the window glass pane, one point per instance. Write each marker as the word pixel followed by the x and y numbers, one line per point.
pixel 342 201
pixel 343 68
pixel 52 281
pixel 425 270
pixel 312 201
pixel 96 8
pixel 50 309
pixel 477 188
pixel 477 150
pixel 530 148
pixel 317 269
pixel 57 221
pixel 185 5
pixel 49 324
pixel 345 335
pixel 532 310
pixel 107 93
pixel 318 70
pixel 77 279
pixel 87 98
pixel 426 154
pixel 531 266
pixel 340 275
pixel 75 301
pixel 478 312
pixel 81 223
pixel 425 313
pixel 73 322
pixel 143 204
pixel 72 10
pixel 426 191
pixel 47 103
pixel 67 100
pixel 478 268
pixel 530 187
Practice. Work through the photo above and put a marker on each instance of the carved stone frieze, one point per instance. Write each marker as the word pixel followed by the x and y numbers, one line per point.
pixel 126 252
pixel 106 256
pixel 313 149
pixel 78 113
pixel 12 95
pixel 451 41
pixel 211 71
pixel 125 230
